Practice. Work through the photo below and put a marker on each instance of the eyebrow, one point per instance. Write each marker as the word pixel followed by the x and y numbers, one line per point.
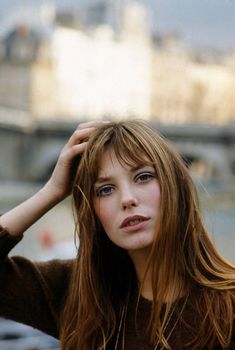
pixel 102 179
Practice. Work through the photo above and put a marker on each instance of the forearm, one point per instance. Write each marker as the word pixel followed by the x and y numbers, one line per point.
pixel 19 219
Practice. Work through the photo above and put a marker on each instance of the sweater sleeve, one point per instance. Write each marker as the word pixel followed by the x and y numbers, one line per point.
pixel 32 293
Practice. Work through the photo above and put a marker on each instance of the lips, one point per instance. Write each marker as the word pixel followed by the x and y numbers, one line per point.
pixel 133 220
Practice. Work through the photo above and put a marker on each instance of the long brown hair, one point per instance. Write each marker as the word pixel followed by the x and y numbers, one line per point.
pixel 103 273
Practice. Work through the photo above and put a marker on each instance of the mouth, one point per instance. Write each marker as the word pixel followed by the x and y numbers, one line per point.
pixel 133 221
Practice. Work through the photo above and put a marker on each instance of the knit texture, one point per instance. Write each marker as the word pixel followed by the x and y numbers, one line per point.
pixel 35 294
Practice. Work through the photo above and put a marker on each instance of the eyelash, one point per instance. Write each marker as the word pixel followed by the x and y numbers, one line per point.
pixel 149 175
pixel 100 191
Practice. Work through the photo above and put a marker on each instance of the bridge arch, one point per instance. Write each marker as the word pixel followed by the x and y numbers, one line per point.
pixel 211 160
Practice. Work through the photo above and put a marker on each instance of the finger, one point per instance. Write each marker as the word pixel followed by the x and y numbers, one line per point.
pixel 79 136
pixel 71 153
pixel 76 150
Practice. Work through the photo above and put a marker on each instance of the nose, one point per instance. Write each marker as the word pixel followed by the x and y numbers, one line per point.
pixel 128 200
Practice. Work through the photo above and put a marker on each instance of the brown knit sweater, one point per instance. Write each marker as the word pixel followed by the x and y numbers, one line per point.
pixel 35 293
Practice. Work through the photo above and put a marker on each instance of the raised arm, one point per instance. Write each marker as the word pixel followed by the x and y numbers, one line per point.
pixel 58 187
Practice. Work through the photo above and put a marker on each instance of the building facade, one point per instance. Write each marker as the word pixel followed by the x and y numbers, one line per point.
pixel 87 68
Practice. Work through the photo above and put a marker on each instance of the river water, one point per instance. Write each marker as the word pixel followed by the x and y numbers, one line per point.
pixel 52 235
pixel 218 208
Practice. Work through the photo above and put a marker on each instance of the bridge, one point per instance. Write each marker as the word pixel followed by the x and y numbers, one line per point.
pixel 29 147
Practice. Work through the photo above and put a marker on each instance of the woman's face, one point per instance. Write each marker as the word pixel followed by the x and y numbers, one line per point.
pixel 127 201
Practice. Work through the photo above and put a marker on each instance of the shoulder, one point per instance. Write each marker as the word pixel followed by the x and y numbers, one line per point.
pixel 55 271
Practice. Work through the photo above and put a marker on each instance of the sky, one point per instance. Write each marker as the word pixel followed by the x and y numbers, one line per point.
pixel 202 23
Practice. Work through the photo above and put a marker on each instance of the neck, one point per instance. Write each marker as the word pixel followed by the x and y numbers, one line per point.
pixel 144 276
pixel 140 260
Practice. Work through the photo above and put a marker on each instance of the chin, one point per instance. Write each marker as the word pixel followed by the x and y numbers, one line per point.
pixel 141 245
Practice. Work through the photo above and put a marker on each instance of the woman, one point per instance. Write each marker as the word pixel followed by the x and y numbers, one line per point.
pixel 146 274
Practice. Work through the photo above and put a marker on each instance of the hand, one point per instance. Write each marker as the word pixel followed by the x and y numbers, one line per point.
pixel 60 183
pixel 20 218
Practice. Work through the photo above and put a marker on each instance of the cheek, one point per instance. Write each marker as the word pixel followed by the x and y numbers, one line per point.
pixel 152 196
pixel 155 200
pixel 154 203
pixel 104 213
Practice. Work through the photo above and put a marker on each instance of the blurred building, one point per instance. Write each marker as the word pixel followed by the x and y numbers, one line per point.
pixel 101 75
pixel 25 65
pixel 20 51
pixel 186 88
pixel 170 82
pixel 104 61
pixel 87 72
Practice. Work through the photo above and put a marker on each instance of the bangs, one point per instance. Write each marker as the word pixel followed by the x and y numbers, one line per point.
pixel 130 154
pixel 129 149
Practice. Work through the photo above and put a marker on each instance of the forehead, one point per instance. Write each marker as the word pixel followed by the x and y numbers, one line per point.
pixel 109 161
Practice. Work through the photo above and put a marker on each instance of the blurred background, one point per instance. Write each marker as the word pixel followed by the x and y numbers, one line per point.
pixel 171 62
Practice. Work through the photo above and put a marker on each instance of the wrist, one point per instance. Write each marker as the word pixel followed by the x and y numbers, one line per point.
pixel 52 193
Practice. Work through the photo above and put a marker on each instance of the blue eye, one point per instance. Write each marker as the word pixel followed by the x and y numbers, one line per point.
pixel 144 177
pixel 104 191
